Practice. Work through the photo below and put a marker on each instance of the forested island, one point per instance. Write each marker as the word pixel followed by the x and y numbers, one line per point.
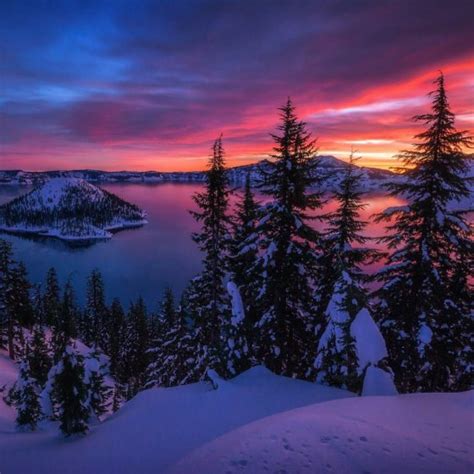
pixel 70 209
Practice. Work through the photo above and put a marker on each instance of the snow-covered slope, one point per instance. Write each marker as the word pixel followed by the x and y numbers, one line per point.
pixel 159 426
pixel 330 167
pixel 257 422
pixel 71 209
pixel 422 433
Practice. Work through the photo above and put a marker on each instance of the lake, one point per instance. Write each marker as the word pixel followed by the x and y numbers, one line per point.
pixel 141 261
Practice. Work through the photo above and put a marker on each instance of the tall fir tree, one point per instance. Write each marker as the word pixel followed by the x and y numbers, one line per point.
pixel 170 352
pixel 7 321
pixel 99 393
pixel 288 255
pixel 37 304
pixel 38 356
pixel 425 302
pixel 52 298
pixel 208 298
pixel 243 258
pixel 68 392
pixel 136 345
pixel 341 286
pixel 27 398
pixel 14 302
pixel 66 322
pixel 21 298
pixel 95 314
pixel 236 346
pixel 116 330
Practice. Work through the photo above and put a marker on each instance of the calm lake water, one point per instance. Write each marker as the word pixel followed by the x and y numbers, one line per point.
pixel 140 261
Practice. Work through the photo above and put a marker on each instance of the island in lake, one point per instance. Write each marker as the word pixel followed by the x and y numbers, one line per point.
pixel 70 209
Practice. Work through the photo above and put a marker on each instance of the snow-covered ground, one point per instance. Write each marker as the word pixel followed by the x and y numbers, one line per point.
pixel 423 433
pixel 255 423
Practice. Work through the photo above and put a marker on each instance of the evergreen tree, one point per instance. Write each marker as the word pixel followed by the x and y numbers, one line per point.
pixel 170 354
pixel 116 325
pixel 9 300
pixel 135 357
pixel 243 260
pixel 427 320
pixel 236 347
pixel 27 399
pixel 38 356
pixel 207 296
pixel 69 393
pixel 20 302
pixel 99 392
pixel 37 304
pixel 65 327
pixel 342 290
pixel 95 317
pixel 51 298
pixel 288 259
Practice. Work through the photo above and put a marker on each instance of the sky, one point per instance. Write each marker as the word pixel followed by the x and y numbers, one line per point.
pixel 148 85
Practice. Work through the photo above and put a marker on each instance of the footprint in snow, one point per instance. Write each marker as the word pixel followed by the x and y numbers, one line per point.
pixel 363 438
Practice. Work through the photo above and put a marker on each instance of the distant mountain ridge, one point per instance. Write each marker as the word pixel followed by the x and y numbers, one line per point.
pixel 331 168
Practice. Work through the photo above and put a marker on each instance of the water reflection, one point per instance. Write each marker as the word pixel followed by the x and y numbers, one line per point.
pixel 142 261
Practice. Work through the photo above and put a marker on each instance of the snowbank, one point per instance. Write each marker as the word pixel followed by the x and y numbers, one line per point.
pixel 159 426
pixel 257 422
pixel 422 433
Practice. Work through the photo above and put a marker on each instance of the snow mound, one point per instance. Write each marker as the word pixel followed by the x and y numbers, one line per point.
pixel 370 344
pixel 422 433
pixel 378 382
pixel 160 426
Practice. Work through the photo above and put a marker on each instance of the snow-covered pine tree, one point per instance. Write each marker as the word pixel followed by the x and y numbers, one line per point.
pixel 135 350
pixel 21 298
pixel 99 393
pixel 95 315
pixel 208 300
pixel 243 258
pixel 116 330
pixel 27 398
pixel 14 301
pixel 425 304
pixel 341 285
pixel 37 304
pixel 6 321
pixel 38 356
pixel 51 298
pixel 170 353
pixel 68 393
pixel 288 260
pixel 236 347
pixel 66 322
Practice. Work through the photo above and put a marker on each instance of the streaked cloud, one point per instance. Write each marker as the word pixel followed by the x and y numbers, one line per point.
pixel 150 84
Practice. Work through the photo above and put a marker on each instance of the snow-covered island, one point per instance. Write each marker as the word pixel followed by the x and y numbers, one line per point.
pixel 70 209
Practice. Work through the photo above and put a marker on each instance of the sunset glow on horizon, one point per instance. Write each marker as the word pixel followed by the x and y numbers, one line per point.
pixel 150 86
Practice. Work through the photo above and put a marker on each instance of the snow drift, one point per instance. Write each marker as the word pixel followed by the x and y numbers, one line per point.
pixel 257 422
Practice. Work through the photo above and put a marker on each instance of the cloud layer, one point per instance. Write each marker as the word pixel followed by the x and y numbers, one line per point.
pixel 148 85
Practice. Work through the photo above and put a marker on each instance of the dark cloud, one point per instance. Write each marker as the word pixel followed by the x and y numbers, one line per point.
pixel 127 72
